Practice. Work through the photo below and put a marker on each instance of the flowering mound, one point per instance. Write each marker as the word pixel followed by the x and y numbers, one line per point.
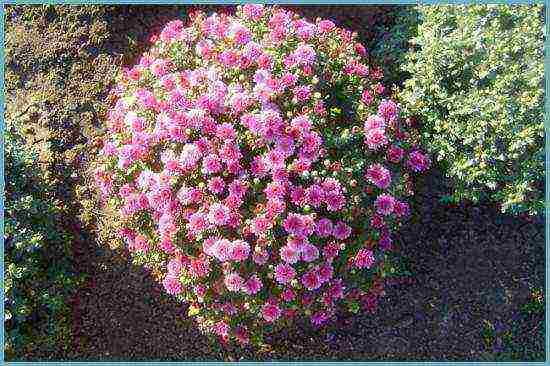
pixel 255 158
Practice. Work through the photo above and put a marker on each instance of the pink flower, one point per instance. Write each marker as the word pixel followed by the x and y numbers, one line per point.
pixel 288 80
pixel 225 131
pixel 284 273
pixel 110 149
pixel 242 335
pixel 228 58
pixel 366 97
pixel 199 291
pixel 417 161
pixel 146 98
pixel 240 33
pixel 304 54
pixel 261 257
pixel 385 204
pixel 204 48
pixel 211 164
pixel 331 184
pixel 360 49
pixel 172 285
pixel 319 318
pixel 341 231
pixel 324 228
pixel 288 295
pixel 302 93
pixel 311 281
pixel 260 225
pixel 208 245
pixel 335 201
pixel 387 109
pixel 304 30
pixel 373 122
pixel 218 214
pixel 310 253
pixel 289 255
pixel 221 249
pixel 297 195
pixel 330 251
pixel 221 329
pixel 379 176
pixel 167 246
pixel 296 244
pixel 301 123
pixel 271 312
pixel 238 188
pixel 325 272
pixel 240 250
pixel 230 152
pixel 315 195
pixel 395 154
pixel 140 243
pixel 216 185
pixel 258 167
pixel 326 26
pixel 385 242
pixel 336 290
pixel 298 225
pixel 401 209
pixel 199 268
pixel 275 159
pixel 197 223
pixel 364 258
pixel 253 285
pixel 171 30
pixel 377 221
pixel 275 190
pixel 253 11
pixel 293 224
pixel 376 138
pixel 174 267
pixel 159 67
pixel 234 282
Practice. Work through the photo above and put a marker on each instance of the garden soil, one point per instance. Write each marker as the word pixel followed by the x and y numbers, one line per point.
pixel 471 266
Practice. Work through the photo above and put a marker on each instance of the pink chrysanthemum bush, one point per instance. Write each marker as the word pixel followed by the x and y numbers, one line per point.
pixel 255 159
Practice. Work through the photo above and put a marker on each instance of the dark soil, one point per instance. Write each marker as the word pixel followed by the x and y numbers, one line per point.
pixel 471 265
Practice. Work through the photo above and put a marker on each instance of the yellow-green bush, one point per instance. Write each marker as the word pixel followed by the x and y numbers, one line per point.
pixel 477 85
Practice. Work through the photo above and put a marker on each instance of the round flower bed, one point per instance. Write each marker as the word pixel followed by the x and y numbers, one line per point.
pixel 254 159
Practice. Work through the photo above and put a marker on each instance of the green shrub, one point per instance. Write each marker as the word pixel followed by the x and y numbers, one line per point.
pixel 38 277
pixel 477 85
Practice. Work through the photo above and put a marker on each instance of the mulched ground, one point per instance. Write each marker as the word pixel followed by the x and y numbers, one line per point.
pixel 472 265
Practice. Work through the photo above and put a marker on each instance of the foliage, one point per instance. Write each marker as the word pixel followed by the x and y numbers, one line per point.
pixel 255 162
pixel 38 274
pixel 477 85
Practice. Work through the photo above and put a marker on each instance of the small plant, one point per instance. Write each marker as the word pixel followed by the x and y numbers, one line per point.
pixel 477 86
pixel 256 162
pixel 536 304
pixel 38 274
